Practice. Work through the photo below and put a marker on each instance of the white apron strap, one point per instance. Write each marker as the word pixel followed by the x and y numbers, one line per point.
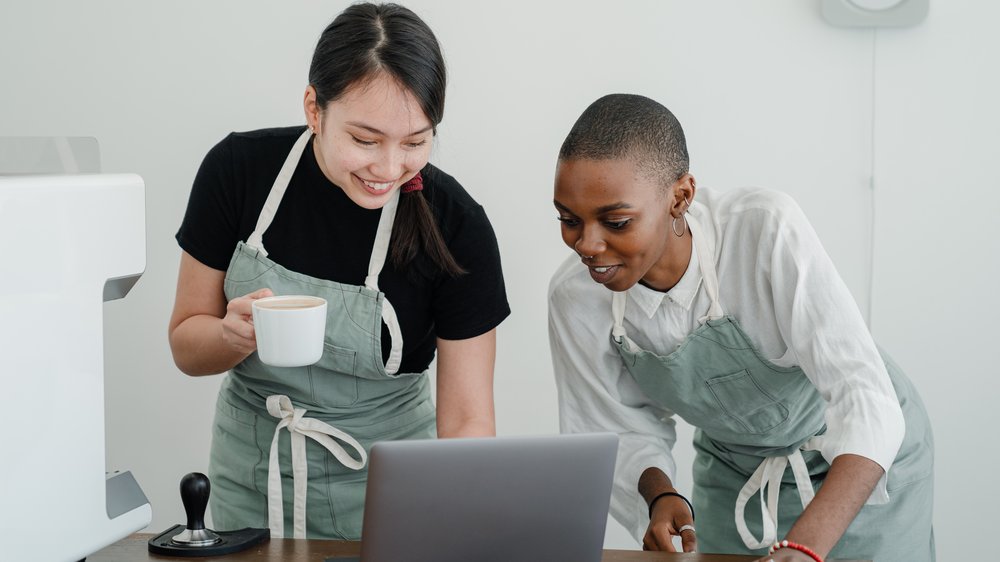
pixel 256 239
pixel 618 301
pixel 379 252
pixel 768 476
pixel 300 427
pixel 706 262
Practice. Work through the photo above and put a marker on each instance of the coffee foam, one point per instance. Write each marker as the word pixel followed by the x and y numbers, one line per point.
pixel 289 303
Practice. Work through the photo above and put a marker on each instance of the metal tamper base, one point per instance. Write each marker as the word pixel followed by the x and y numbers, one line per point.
pixel 194 539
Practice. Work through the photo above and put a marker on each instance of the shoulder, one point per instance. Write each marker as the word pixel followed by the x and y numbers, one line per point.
pixel 571 283
pixel 445 192
pixel 252 149
pixel 747 200
pixel 454 209
pixel 749 209
pixel 261 141
pixel 579 310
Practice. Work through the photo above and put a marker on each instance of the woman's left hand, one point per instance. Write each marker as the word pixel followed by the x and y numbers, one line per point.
pixel 670 515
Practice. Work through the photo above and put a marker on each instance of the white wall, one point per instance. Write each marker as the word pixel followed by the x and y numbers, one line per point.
pixel 769 94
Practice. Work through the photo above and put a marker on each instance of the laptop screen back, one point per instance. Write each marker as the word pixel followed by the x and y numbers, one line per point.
pixel 489 499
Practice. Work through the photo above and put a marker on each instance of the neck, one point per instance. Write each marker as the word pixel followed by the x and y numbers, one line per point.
pixel 672 265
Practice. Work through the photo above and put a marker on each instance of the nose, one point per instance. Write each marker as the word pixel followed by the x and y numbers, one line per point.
pixel 590 243
pixel 390 164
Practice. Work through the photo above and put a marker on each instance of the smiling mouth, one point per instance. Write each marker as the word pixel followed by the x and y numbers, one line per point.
pixel 378 186
pixel 603 273
pixel 375 187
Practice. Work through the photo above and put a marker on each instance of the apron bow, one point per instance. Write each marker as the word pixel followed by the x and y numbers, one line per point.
pixel 300 427
pixel 768 476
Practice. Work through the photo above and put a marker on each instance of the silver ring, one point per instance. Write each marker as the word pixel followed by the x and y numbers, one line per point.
pixel 686 528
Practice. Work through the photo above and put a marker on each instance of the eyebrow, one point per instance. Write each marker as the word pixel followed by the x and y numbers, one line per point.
pixel 371 129
pixel 602 210
pixel 613 207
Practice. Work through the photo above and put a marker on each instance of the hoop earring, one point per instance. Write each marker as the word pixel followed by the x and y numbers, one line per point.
pixel 673 223
pixel 673 226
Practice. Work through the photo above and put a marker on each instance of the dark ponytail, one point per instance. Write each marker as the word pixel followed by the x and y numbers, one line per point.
pixel 362 42
pixel 420 228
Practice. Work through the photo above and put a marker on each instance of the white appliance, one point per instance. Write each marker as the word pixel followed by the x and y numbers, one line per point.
pixel 67 244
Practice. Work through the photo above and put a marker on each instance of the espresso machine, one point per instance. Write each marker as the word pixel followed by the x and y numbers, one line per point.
pixel 70 242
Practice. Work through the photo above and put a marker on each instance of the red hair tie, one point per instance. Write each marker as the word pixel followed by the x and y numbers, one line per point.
pixel 416 183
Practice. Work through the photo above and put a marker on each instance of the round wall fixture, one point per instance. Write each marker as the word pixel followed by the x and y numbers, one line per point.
pixel 876 5
pixel 875 13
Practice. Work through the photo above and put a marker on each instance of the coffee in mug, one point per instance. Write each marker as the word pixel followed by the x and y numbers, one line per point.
pixel 289 329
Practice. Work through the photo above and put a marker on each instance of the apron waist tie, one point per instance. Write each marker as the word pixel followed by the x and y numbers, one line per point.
pixel 300 427
pixel 768 475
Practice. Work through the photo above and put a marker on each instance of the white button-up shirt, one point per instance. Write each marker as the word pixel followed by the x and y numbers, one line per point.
pixel 776 279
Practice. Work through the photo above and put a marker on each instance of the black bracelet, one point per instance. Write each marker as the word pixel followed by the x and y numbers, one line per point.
pixel 652 503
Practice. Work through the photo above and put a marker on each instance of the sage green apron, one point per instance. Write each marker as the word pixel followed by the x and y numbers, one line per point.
pixel 753 420
pixel 289 444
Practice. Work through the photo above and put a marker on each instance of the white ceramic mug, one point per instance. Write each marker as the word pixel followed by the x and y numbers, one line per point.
pixel 289 329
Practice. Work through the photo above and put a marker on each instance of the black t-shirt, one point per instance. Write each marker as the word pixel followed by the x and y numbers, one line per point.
pixel 318 231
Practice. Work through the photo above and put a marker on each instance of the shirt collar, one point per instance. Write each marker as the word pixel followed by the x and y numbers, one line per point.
pixel 682 294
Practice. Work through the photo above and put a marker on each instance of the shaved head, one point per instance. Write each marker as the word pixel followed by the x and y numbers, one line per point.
pixel 632 127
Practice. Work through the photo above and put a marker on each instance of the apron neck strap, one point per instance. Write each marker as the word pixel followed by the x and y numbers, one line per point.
pixel 706 262
pixel 256 239
pixel 618 301
pixel 381 247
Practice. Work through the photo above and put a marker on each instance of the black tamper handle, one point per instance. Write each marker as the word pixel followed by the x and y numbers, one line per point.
pixel 195 489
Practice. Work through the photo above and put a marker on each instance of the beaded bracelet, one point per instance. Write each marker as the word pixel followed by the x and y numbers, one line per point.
pixel 652 503
pixel 795 546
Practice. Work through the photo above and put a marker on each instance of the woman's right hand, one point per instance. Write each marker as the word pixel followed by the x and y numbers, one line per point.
pixel 237 325
pixel 670 514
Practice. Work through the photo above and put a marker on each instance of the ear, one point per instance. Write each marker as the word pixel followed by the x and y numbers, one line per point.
pixel 683 195
pixel 312 109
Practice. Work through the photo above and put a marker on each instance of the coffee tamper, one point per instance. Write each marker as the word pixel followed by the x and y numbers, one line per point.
pixel 195 539
pixel 195 489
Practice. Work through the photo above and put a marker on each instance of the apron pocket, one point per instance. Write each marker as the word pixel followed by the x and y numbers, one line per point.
pixel 347 501
pixel 337 359
pixel 333 378
pixel 745 402
pixel 235 453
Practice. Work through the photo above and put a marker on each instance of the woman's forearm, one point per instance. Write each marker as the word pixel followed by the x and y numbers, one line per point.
pixel 480 426
pixel 465 386
pixel 845 490
pixel 198 347
pixel 654 482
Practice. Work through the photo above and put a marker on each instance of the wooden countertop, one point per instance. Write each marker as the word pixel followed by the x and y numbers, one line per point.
pixel 134 549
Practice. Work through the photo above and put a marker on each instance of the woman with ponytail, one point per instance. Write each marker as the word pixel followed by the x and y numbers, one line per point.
pixel 405 258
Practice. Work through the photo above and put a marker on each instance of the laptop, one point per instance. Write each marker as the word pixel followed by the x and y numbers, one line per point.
pixel 499 499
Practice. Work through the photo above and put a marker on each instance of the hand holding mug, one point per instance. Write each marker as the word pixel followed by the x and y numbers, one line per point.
pixel 237 326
